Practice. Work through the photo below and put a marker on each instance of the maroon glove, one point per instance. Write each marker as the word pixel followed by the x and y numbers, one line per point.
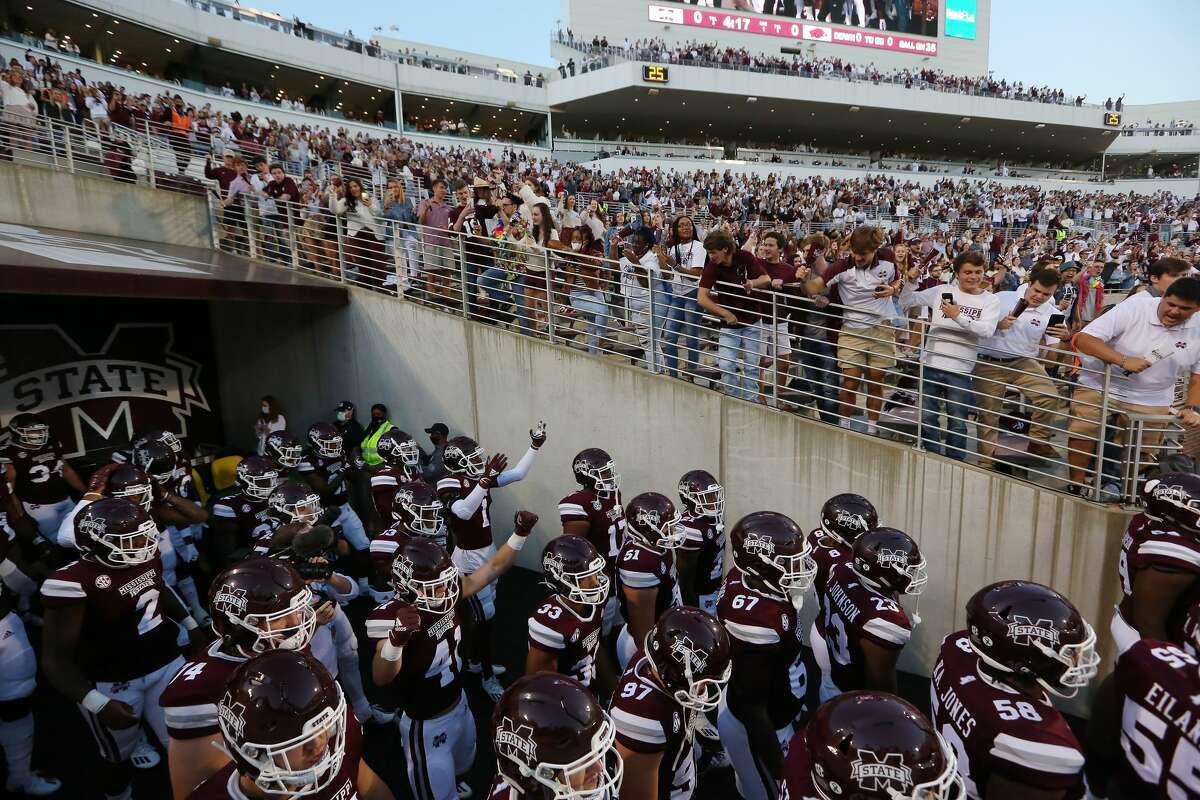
pixel 408 622
pixel 524 521
pixel 497 464
pixel 537 436
pixel 100 478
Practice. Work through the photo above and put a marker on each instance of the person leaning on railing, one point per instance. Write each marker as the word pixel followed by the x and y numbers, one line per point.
pixel 730 275
pixel 1146 343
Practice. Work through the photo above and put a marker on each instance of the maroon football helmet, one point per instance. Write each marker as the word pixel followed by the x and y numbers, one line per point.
pixel 417 508
pixel 553 740
pixel 570 562
pixel 846 516
pixel 165 438
pixel 284 449
pixel 422 574
pixel 131 483
pixel 651 518
pixel 397 449
pixel 275 706
pixel 29 431
pixel 325 439
pixel 701 495
pixel 262 604
pixel 156 460
pixel 1034 632
pixel 690 651
pixel 771 548
pixel 594 470
pixel 875 746
pixel 257 477
pixel 464 456
pixel 889 561
pixel 116 532
pixel 295 502
pixel 1174 498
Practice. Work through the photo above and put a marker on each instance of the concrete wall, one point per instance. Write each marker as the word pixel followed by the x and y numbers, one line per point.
pixel 974 526
pixel 50 199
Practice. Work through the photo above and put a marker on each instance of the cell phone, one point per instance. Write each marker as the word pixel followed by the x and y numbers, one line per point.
pixel 1057 319
pixel 947 297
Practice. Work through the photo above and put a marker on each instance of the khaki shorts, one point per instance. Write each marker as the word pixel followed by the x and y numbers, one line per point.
pixel 876 351
pixel 779 342
pixel 1085 417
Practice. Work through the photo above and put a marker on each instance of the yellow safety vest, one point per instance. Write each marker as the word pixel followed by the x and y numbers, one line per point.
pixel 370 445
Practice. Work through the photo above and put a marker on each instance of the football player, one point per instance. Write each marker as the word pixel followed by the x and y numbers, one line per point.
pixel 257 605
pixel 23 563
pixel 415 512
pixel 552 739
pixel 1159 564
pixel 679 674
pixel 844 517
pixel 759 607
pixel 595 512
pixel 325 470
pixel 861 627
pixel 1143 721
pixel 285 450
pixel 869 746
pixel 646 581
pixel 239 520
pixel 564 631
pixel 110 632
pixel 286 726
pixel 700 559
pixel 466 492
pixel 401 458
pixel 417 637
pixel 989 692
pixel 39 476
pixel 112 480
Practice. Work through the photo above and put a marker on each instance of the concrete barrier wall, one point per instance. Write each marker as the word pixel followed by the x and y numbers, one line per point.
pixel 88 204
pixel 974 526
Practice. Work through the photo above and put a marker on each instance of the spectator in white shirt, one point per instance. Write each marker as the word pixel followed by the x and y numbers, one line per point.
pixel 20 110
pixel 640 273
pixel 1148 344
pixel 1009 358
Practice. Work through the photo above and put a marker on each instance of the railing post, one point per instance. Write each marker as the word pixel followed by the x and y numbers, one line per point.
pixel 549 296
pixel 53 143
pixel 1102 441
pixel 70 152
pixel 462 275
pixel 214 223
pixel 291 223
pixel 150 157
pixel 341 249
pixel 774 337
pixel 251 240
pixel 652 354
pixel 919 443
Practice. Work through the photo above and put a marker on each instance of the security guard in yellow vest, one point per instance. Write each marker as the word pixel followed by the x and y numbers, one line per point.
pixel 370 441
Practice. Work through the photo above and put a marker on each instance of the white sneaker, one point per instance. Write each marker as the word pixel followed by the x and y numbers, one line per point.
pixel 476 668
pixel 36 785
pixel 464 790
pixel 144 756
pixel 493 688
pixel 380 715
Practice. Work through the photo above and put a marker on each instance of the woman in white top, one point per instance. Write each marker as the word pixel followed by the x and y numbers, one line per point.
pixel 20 110
pixel 270 419
pixel 97 106
pixel 541 237
pixel 568 217
pixel 364 235
pixel 683 256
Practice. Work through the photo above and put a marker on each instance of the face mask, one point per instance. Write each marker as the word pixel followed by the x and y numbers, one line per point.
pixel 576 245
pixel 266 410
pixel 341 416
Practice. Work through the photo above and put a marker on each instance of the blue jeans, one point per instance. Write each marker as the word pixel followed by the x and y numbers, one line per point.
pixel 683 317
pixel 742 346
pixel 950 391
pixel 595 313
pixel 495 283
pixel 822 379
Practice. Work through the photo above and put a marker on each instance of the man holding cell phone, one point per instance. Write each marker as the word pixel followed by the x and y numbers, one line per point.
pixel 1009 357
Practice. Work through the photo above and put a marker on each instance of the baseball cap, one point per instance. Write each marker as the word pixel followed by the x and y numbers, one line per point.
pixel 345 405
pixel 438 427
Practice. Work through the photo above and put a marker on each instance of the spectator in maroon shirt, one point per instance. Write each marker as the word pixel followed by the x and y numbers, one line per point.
pixel 731 275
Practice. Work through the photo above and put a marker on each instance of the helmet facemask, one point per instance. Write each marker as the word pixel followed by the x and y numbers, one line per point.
pixel 328 447
pixel 424 520
pixel 437 596
pixel 595 595
pixel 665 534
pixel 270 636
pixel 594 776
pixel 708 502
pixel 140 493
pixel 126 549
pixel 258 487
pixel 32 436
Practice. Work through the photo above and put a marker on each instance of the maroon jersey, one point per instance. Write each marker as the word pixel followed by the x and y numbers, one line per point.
pixel 383 550
pixel 993 728
pixel 640 567
pixel 827 552
pixel 555 628
pixel 605 518
pixel 708 539
pixel 1158 685
pixel 473 533
pixel 765 634
pixel 383 488
pixel 850 612
pixel 1148 544
pixel 251 517
pixel 797 771
pixel 429 681
pixel 649 720
pixel 39 477
pixel 125 634
pixel 190 699
pixel 333 470
pixel 223 784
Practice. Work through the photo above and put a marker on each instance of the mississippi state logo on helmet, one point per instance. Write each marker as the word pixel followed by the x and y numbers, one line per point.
pixel 29 431
pixel 284 449
pixel 422 574
pixel 417 508
pixel 464 456
pixel 131 483
pixel 277 706
pixel 116 532
pixel 875 746
pixel 594 470
pixel 397 449
pixel 295 502
pixel 257 477
pixel 690 651
pixel 771 548
pixel 165 438
pixel 574 569
pixel 156 460
pixel 847 516
pixel 889 560
pixel 652 519
pixel 1174 498
pixel 1033 631
pixel 553 740
pixel 262 604
pixel 325 439
pixel 701 494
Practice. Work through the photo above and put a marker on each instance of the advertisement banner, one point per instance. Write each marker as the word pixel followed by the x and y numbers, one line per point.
pixel 794 29
pixel 960 19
